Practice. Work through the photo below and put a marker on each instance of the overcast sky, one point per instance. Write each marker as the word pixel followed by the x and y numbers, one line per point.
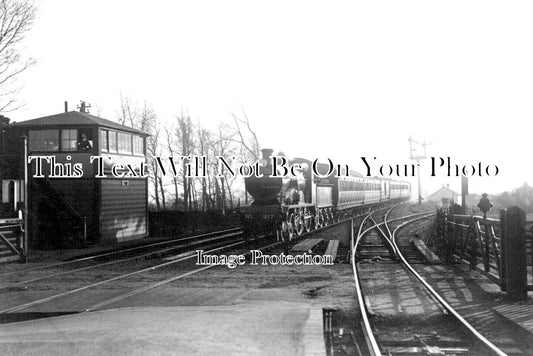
pixel 334 79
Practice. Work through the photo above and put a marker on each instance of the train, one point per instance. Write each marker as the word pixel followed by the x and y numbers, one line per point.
pixel 306 201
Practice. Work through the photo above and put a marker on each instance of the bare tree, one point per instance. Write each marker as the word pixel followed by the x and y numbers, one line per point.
pixel 204 143
pixel 153 148
pixel 159 178
pixel 144 118
pixel 184 134
pixel 16 19
pixel 248 141
pixel 247 137
pixel 225 147
pixel 98 109
pixel 128 113
pixel 170 148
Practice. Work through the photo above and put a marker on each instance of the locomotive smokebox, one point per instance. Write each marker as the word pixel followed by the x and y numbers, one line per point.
pixel 264 190
pixel 266 166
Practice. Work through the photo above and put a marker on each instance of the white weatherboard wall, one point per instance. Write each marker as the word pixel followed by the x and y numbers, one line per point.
pixel 123 212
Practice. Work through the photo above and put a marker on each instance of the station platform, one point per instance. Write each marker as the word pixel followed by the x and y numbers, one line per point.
pixel 266 328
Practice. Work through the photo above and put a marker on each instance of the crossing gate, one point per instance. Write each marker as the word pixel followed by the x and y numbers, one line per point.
pixel 500 248
pixel 11 240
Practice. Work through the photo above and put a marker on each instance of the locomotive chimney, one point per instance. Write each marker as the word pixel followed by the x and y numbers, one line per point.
pixel 267 152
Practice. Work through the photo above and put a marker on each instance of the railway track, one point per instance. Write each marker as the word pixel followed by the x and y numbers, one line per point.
pixel 122 255
pixel 142 261
pixel 26 276
pixel 416 320
pixel 74 281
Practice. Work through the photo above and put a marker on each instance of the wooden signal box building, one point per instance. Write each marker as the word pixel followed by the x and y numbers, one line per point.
pixel 70 205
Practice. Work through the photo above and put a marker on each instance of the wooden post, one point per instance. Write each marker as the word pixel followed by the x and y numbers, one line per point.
pixel 473 245
pixel 503 251
pixel 464 191
pixel 515 249
pixel 445 235
pixel 452 237
pixel 486 248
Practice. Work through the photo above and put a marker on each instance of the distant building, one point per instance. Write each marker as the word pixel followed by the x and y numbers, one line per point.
pixel 444 196
pixel 74 211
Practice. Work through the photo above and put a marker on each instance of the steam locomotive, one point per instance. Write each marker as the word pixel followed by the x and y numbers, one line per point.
pixel 291 206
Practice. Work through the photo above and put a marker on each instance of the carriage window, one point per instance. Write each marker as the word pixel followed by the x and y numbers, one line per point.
pixel 44 140
pixel 124 143
pixel 69 140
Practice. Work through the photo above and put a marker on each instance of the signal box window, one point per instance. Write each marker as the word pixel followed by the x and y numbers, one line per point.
pixel 124 143
pixel 44 140
pixel 104 143
pixel 85 142
pixel 69 140
pixel 138 145
pixel 113 146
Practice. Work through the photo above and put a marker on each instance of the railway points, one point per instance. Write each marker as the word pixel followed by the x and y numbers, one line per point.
pixel 397 307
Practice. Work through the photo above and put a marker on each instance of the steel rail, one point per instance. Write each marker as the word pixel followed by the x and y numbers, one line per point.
pixel 387 238
pixel 398 219
pixel 160 283
pixel 367 329
pixel 376 225
pixel 491 347
pixel 369 335
pixel 166 242
pixel 116 261
pixel 386 225
pixel 47 299
pixel 55 296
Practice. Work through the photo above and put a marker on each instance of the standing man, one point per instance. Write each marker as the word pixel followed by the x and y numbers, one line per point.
pixel 484 204
pixel 84 144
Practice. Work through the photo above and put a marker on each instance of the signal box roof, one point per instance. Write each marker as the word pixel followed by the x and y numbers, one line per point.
pixel 76 118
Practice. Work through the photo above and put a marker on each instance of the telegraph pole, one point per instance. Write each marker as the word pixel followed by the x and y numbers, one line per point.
pixel 417 158
pixel 464 191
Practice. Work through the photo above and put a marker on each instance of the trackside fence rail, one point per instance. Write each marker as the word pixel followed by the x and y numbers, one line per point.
pixel 501 249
